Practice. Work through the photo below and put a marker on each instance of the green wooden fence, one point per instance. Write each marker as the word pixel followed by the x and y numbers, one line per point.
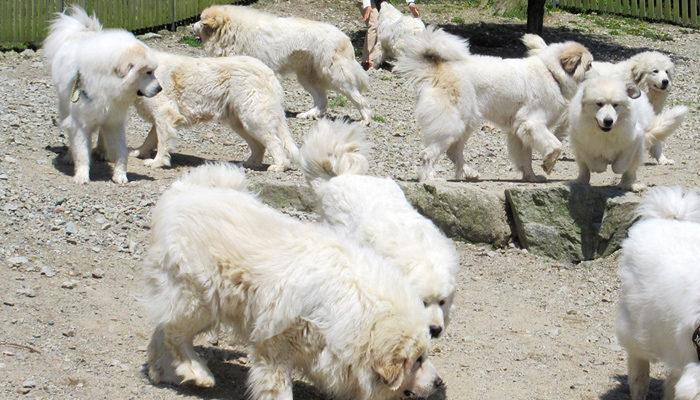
pixel 26 21
pixel 681 12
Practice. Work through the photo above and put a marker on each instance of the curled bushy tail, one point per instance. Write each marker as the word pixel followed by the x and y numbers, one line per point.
pixel 65 27
pixel 534 43
pixel 670 202
pixel 214 175
pixel 334 148
pixel 664 124
pixel 429 49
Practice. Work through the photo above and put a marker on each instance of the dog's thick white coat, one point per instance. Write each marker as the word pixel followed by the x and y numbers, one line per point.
pixel 651 71
pixel 98 74
pixel 319 54
pixel 374 211
pixel 607 127
pixel 395 31
pixel 524 97
pixel 239 91
pixel 300 296
pixel 659 306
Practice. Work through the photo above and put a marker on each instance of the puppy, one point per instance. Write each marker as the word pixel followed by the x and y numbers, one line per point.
pixel 611 123
pixel 524 97
pixel 241 92
pixel 395 31
pixel 659 308
pixel 98 75
pixel 300 296
pixel 651 71
pixel 374 211
pixel 319 54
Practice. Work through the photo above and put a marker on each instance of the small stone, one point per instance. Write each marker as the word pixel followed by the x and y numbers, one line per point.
pixel 8 303
pixel 98 273
pixel 69 333
pixel 71 228
pixel 69 285
pixel 29 384
pixel 27 292
pixel 46 270
pixel 15 261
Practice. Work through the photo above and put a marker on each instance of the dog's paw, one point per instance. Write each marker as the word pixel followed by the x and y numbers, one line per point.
pixel 195 373
pixel 277 167
pixel 81 176
pixel 311 114
pixel 665 161
pixel 534 178
pixel 161 162
pixel 550 160
pixel 634 187
pixel 120 178
pixel 467 173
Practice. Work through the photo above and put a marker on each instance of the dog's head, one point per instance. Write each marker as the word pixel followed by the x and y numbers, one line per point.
pixel 399 359
pixel 652 70
pixel 608 100
pixel 214 25
pixel 136 67
pixel 575 59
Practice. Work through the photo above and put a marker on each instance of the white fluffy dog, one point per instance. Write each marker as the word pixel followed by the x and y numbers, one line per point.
pixel 374 211
pixel 611 123
pixel 650 70
pixel 659 309
pixel 395 31
pixel 98 74
pixel 300 296
pixel 524 97
pixel 319 54
pixel 240 91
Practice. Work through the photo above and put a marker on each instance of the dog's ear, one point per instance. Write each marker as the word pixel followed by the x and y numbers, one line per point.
pixel 123 69
pixel 576 60
pixel 212 21
pixel 390 370
pixel 637 74
pixel 633 91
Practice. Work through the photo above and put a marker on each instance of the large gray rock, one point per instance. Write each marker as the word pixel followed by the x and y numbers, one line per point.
pixel 285 195
pixel 463 212
pixel 573 223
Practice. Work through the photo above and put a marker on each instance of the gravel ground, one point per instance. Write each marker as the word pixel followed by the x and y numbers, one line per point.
pixel 525 327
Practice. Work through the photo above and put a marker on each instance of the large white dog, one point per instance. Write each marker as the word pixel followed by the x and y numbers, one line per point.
pixel 374 211
pixel 240 91
pixel 319 54
pixel 651 71
pixel 524 97
pixel 395 31
pixel 659 309
pixel 611 123
pixel 300 296
pixel 98 74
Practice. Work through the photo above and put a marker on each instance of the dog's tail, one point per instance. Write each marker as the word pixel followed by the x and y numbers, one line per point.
pixel 213 175
pixel 664 124
pixel 534 43
pixel 670 202
pixel 65 27
pixel 334 148
pixel 429 49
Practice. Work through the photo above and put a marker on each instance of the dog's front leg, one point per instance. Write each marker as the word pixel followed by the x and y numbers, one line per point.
pixel 268 380
pixel 80 151
pixel 115 145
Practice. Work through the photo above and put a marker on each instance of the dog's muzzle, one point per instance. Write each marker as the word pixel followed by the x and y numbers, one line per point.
pixel 664 84
pixel 607 125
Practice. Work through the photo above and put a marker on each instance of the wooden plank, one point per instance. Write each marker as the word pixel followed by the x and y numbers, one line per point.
pixel 685 17
pixel 676 11
pixel 694 13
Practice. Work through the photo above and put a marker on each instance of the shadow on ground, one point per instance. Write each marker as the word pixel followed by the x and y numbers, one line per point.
pixel 622 390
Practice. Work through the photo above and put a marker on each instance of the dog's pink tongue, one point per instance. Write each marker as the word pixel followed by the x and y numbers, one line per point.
pixel 197 37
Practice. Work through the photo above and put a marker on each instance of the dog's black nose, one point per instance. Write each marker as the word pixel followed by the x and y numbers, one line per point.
pixel 438 382
pixel 435 331
pixel 607 122
pixel 664 84
pixel 160 88
pixel 407 393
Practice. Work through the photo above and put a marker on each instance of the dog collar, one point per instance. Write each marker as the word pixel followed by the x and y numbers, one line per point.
pixel 696 341
pixel 76 93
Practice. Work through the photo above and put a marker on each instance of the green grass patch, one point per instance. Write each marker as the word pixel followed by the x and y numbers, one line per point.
pixel 458 20
pixel 619 25
pixel 338 101
pixel 190 41
pixel 387 78
pixel 378 118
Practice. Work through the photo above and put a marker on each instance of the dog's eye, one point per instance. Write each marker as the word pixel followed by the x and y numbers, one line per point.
pixel 420 360
pixel 442 302
pixel 614 105
pixel 149 73
pixel 425 304
pixel 599 104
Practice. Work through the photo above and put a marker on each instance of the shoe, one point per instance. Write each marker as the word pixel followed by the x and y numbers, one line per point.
pixel 366 65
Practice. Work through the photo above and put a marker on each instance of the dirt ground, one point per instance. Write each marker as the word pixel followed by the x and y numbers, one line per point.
pixel 524 327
